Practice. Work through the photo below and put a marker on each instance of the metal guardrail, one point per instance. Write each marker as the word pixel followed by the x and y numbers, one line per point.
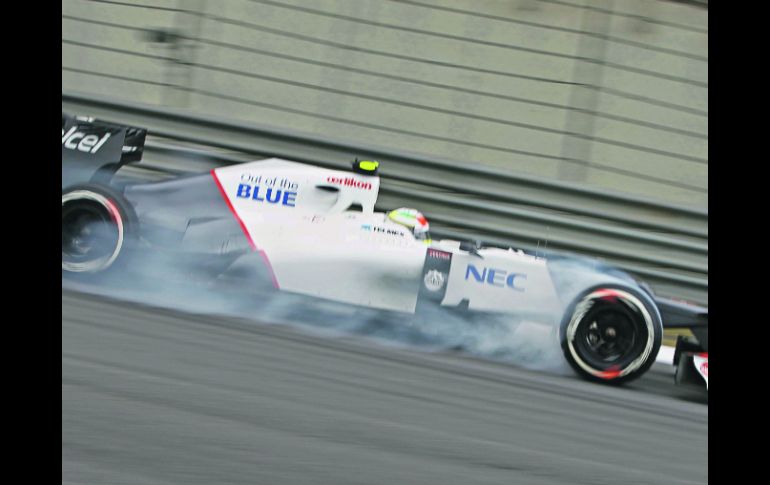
pixel 665 245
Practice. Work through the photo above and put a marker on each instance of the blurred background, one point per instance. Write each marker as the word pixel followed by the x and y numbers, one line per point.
pixel 580 125
pixel 573 125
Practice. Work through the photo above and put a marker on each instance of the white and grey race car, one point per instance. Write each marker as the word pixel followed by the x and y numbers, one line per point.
pixel 315 231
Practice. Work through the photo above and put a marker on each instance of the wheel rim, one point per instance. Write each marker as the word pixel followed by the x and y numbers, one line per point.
pixel 611 334
pixel 92 232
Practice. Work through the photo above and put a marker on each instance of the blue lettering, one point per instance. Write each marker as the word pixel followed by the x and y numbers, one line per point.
pixel 273 196
pixel 511 284
pixel 479 277
pixel 290 199
pixel 494 273
pixel 495 277
pixel 244 190
pixel 277 196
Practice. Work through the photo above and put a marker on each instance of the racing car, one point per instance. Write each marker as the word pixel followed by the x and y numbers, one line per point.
pixel 315 231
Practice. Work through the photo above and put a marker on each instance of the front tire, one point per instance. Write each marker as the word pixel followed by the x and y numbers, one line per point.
pixel 611 334
pixel 97 224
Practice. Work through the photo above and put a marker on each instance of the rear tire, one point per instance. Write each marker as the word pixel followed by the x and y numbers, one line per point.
pixel 611 334
pixel 98 223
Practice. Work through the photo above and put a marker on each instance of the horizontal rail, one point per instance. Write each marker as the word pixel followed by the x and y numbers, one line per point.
pixel 667 245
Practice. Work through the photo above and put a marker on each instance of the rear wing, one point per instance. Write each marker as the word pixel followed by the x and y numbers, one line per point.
pixel 94 150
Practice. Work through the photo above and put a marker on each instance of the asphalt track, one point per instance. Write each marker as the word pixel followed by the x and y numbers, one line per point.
pixel 156 396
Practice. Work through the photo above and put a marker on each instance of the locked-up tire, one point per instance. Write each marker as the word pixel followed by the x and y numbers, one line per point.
pixel 611 334
pixel 98 223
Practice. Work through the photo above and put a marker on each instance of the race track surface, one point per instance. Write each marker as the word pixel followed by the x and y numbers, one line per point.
pixel 156 396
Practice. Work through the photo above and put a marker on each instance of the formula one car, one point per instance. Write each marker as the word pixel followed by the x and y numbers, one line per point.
pixel 315 231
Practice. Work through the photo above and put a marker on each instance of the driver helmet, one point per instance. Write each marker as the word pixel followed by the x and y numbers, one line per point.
pixel 414 220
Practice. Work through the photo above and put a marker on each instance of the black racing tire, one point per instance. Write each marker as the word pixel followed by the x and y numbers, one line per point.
pixel 98 226
pixel 611 334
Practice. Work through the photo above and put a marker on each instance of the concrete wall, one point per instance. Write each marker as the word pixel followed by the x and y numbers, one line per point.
pixel 604 93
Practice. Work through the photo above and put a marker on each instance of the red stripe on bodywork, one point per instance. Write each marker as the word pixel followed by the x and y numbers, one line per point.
pixel 269 268
pixel 232 209
pixel 245 231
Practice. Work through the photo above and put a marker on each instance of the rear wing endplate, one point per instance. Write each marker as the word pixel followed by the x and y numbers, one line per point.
pixel 96 148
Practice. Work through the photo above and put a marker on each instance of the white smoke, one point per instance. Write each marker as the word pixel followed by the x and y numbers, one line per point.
pixel 153 278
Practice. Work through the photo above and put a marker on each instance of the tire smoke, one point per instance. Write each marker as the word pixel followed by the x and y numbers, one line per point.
pixel 156 279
